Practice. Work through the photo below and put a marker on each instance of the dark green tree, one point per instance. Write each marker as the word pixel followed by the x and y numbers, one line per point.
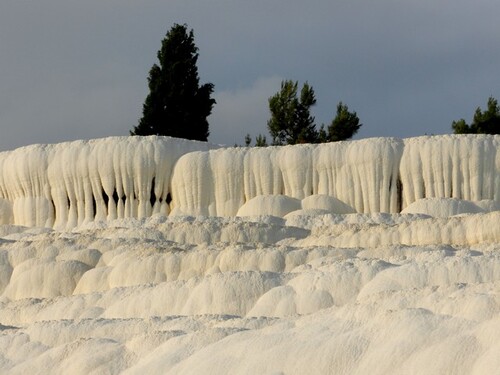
pixel 177 105
pixel 248 140
pixel 291 121
pixel 260 141
pixel 343 126
pixel 487 122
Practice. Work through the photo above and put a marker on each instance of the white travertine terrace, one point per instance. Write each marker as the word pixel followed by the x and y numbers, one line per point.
pixel 68 184
pixel 379 256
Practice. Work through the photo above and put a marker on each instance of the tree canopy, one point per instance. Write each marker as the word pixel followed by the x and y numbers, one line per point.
pixel 177 105
pixel 487 122
pixel 291 121
pixel 344 125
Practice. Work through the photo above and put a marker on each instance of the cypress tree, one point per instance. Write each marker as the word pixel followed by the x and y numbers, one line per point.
pixel 177 105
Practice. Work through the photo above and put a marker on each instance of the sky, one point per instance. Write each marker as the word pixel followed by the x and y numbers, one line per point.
pixel 78 69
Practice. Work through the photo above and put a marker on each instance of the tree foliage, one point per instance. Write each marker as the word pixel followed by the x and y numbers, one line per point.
pixel 291 121
pixel 260 141
pixel 177 105
pixel 344 125
pixel 248 140
pixel 487 122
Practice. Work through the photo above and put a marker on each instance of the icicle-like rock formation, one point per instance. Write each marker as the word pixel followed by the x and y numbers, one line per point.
pixel 453 166
pixel 68 184
pixel 327 283
pixel 362 174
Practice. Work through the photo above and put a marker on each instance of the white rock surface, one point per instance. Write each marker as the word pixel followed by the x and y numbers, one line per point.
pixel 69 184
pixel 327 203
pixel 451 166
pixel 126 283
pixel 6 215
pixel 274 205
pixel 330 293
pixel 488 205
pixel 444 207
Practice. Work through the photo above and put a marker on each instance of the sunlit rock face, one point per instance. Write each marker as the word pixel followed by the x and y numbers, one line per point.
pixel 68 184
pixel 160 256
pixel 315 294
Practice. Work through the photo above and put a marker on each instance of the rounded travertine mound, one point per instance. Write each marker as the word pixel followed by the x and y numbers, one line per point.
pixel 44 278
pixel 274 205
pixel 325 294
pixel 308 212
pixel 327 203
pixel 442 207
pixel 488 205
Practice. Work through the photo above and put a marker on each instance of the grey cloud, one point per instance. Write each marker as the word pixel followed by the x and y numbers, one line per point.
pixel 78 69
pixel 247 106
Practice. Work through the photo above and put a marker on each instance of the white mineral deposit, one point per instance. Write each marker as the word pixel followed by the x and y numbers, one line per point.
pixel 153 255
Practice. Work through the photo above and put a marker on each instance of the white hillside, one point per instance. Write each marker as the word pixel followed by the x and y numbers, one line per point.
pixel 161 256
pixel 329 294
pixel 69 184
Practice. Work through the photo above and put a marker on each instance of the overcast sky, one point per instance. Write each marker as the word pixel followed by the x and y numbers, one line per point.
pixel 78 69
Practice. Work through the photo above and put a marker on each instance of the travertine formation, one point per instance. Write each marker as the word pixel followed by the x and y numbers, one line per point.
pixel 161 256
pixel 68 184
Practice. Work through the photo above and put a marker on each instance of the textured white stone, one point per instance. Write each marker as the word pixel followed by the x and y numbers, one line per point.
pixel 443 207
pixel 348 293
pixel 70 184
pixel 160 256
